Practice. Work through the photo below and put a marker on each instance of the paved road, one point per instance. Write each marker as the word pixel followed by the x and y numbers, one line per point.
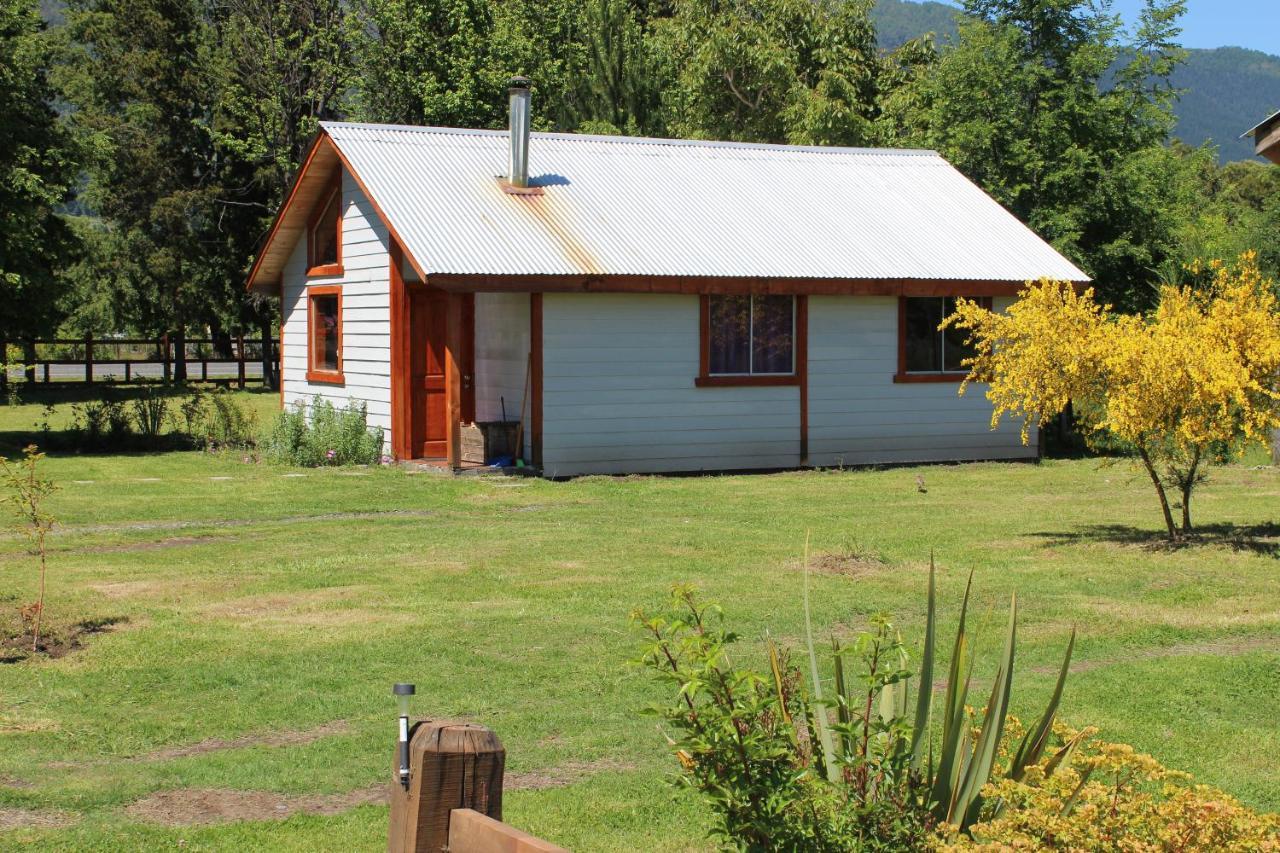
pixel 103 371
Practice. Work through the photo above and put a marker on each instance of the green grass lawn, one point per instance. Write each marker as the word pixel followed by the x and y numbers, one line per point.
pixel 269 611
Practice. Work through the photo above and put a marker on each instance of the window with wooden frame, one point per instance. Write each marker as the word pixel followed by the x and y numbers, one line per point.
pixel 324 334
pixel 748 340
pixel 926 354
pixel 324 232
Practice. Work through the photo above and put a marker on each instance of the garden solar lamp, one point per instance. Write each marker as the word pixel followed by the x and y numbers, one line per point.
pixel 402 692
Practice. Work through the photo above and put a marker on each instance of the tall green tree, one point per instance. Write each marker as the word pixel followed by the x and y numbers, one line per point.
pixel 37 169
pixel 1028 104
pixel 798 71
pixel 619 89
pixel 447 62
pixel 142 80
pixel 282 67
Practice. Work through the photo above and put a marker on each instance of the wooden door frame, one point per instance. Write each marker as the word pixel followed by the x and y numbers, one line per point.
pixel 459 346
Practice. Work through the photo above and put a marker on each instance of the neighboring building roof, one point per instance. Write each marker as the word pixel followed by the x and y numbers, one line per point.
pixel 1266 121
pixel 681 208
pixel 1266 136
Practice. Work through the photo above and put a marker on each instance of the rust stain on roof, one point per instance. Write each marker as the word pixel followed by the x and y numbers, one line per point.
pixel 545 210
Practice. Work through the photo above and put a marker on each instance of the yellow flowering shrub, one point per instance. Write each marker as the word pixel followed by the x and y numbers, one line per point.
pixel 1197 380
pixel 1109 797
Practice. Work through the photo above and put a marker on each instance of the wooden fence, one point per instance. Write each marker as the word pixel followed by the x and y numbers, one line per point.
pixel 88 360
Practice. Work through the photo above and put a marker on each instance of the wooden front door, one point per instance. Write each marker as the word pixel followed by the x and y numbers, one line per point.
pixel 429 337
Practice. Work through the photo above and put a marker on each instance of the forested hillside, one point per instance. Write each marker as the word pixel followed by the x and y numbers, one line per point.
pixel 1227 90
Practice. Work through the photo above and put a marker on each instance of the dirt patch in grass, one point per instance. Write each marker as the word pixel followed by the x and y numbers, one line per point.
pixel 850 564
pixel 157 545
pixel 56 642
pixel 286 738
pixel 14 818
pixel 1203 648
pixel 268 606
pixel 269 739
pixel 561 774
pixel 196 806
pixel 334 607
pixel 219 524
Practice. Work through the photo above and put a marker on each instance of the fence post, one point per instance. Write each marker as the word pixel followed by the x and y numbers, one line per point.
pixel 164 355
pixel 240 356
pixel 88 358
pixel 452 766
pixel 4 363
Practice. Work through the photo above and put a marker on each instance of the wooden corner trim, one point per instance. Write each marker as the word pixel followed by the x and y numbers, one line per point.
pixel 401 394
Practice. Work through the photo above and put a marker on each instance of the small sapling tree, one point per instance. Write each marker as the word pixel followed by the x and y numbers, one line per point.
pixel 27 491
pixel 1194 382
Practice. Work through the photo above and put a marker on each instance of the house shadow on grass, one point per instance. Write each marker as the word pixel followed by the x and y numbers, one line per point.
pixel 1263 539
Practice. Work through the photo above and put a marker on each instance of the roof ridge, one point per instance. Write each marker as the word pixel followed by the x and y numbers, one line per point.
pixel 633 140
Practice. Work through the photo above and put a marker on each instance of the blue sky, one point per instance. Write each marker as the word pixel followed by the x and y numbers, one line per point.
pixel 1217 23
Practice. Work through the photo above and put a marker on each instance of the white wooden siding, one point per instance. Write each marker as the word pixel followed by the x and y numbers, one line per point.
pixel 618 393
pixel 502 358
pixel 858 415
pixel 366 315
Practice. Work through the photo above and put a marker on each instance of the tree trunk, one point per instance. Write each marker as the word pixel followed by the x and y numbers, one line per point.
pixel 180 354
pixel 29 359
pixel 269 364
pixel 1164 499
pixel 1187 485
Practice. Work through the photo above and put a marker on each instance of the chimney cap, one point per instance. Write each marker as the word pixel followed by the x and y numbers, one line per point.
pixel 518 83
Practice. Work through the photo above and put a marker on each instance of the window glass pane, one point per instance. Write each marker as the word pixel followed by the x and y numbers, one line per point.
pixel 729 334
pixel 954 348
pixel 924 351
pixel 325 317
pixel 772 332
pixel 324 239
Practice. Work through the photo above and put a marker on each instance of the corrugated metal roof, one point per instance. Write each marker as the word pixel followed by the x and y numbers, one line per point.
pixel 650 207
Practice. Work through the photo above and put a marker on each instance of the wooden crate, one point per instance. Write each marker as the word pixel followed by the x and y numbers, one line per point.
pixel 486 441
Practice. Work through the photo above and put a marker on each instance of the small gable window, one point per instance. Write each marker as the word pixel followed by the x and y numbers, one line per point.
pixel 324 236
pixel 748 339
pixel 926 354
pixel 324 339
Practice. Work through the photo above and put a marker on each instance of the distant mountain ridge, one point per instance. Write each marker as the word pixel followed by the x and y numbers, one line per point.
pixel 1227 90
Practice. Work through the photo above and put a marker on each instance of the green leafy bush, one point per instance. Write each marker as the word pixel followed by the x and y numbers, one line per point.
pixel 780 773
pixel 323 435
pixel 101 424
pixel 150 410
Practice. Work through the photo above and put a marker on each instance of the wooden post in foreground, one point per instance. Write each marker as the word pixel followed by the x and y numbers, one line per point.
pixel 452 766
